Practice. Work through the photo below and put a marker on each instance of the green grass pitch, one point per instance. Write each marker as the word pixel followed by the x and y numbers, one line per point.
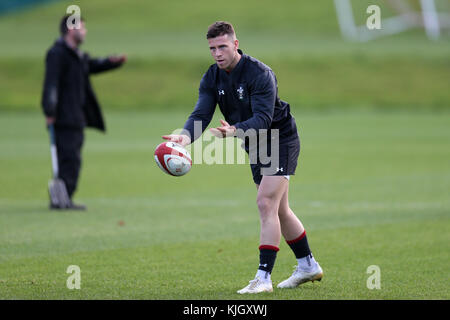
pixel 370 189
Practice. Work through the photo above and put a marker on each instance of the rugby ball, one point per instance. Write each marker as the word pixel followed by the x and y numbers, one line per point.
pixel 173 159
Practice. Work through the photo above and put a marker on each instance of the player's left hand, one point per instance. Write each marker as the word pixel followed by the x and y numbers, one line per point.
pixel 224 131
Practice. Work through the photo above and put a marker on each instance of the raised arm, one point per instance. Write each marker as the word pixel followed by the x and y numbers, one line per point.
pixel 97 65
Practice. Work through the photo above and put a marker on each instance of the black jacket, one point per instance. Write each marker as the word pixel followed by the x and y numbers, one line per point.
pixel 68 95
pixel 247 97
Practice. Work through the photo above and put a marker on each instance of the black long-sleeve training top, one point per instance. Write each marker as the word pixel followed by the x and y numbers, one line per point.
pixel 247 97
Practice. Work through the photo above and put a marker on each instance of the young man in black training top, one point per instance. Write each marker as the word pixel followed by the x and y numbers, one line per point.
pixel 246 91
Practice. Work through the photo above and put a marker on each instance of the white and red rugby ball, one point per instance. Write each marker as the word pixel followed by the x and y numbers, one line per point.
pixel 173 159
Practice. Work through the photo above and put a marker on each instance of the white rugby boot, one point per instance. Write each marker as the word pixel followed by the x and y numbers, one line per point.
pixel 256 286
pixel 300 276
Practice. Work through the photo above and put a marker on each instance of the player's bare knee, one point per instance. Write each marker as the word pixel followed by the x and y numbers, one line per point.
pixel 266 204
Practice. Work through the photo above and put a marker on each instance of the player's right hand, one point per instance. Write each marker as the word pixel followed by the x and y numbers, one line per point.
pixel 182 139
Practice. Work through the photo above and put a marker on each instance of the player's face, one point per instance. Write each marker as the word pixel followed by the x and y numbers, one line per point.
pixel 224 51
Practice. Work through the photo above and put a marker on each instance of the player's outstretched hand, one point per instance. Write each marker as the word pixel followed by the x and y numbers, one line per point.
pixel 182 139
pixel 224 131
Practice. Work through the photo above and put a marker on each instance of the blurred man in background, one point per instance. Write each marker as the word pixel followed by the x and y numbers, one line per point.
pixel 68 100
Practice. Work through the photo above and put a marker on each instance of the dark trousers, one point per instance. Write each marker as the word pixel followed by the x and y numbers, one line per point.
pixel 68 145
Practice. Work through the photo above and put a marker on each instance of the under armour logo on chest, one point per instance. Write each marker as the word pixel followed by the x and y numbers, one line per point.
pixel 221 92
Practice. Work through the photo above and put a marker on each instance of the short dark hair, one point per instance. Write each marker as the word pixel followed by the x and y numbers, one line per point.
pixel 63 24
pixel 220 28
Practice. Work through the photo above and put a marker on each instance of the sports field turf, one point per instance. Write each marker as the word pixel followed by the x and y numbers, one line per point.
pixel 372 186
pixel 371 189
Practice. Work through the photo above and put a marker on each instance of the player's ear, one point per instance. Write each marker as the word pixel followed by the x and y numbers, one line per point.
pixel 236 44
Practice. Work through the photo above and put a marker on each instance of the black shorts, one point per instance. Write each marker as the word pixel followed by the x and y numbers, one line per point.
pixel 288 158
